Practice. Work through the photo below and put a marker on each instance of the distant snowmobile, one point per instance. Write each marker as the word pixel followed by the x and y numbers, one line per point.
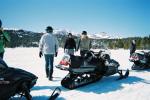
pixel 141 60
pixel 88 69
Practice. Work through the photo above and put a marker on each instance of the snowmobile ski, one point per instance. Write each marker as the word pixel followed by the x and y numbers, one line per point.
pixel 123 76
pixel 55 94
pixel 61 67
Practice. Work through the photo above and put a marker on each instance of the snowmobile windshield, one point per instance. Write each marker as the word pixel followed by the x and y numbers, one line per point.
pixel 3 64
pixel 104 49
pixel 65 60
pixel 66 57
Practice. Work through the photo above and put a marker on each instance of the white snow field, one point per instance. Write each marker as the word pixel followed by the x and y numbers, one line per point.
pixel 135 87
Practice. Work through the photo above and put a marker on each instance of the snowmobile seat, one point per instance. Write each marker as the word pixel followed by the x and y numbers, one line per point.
pixel 76 61
pixel 87 64
pixel 80 64
pixel 3 64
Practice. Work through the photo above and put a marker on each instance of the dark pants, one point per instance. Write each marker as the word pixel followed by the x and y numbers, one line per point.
pixel 49 60
pixel 2 55
pixel 82 52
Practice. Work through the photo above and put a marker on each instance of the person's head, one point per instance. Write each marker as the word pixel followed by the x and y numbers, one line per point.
pixel 84 33
pixel 69 35
pixel 0 23
pixel 49 29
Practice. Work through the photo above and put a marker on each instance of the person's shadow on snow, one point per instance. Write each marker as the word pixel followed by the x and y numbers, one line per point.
pixel 35 88
pixel 109 84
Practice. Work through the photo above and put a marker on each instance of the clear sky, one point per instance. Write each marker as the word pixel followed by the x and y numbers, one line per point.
pixel 115 17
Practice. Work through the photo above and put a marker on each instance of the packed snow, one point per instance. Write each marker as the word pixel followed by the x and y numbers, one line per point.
pixel 135 87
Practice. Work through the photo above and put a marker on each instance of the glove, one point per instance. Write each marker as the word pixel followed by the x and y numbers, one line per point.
pixel 40 54
pixel 56 54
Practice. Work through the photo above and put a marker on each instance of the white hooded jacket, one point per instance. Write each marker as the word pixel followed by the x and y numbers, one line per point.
pixel 48 44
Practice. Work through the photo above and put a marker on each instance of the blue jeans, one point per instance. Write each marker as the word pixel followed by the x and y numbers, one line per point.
pixel 69 51
pixel 49 60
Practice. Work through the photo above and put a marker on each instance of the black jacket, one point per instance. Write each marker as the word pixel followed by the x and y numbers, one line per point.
pixel 132 48
pixel 70 44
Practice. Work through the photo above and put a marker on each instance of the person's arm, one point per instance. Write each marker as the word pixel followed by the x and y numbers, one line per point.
pixel 41 47
pixel 90 45
pixel 78 45
pixel 74 44
pixel 65 44
pixel 6 36
pixel 41 43
pixel 56 47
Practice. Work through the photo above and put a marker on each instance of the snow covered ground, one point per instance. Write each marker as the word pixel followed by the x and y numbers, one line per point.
pixel 136 87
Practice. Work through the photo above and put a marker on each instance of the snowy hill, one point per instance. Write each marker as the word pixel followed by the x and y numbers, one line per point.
pixel 101 35
pixel 59 32
pixel 20 37
pixel 136 87
pixel 64 32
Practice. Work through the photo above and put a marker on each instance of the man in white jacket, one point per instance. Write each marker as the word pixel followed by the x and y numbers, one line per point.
pixel 49 47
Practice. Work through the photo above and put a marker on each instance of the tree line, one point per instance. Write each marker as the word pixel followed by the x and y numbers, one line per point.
pixel 21 38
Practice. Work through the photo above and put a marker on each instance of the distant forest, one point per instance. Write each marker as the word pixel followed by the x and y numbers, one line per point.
pixel 21 38
pixel 141 42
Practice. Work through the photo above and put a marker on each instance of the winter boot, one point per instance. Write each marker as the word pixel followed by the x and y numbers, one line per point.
pixel 51 75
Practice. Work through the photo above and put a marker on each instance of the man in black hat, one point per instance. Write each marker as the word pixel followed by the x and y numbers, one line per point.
pixel 84 43
pixel 49 47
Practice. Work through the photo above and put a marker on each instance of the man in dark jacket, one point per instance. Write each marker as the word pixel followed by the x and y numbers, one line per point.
pixel 132 47
pixel 70 45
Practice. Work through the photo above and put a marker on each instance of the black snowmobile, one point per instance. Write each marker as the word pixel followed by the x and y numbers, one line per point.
pixel 141 60
pixel 88 69
pixel 15 81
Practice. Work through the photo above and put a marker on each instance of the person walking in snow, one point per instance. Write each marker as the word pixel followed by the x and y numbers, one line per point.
pixel 70 45
pixel 84 43
pixel 4 38
pixel 132 47
pixel 49 47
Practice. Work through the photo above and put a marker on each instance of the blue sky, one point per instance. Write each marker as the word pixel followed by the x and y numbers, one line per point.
pixel 115 17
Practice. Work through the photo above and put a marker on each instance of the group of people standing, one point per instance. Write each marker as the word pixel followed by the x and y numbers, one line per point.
pixel 49 48
pixel 84 44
